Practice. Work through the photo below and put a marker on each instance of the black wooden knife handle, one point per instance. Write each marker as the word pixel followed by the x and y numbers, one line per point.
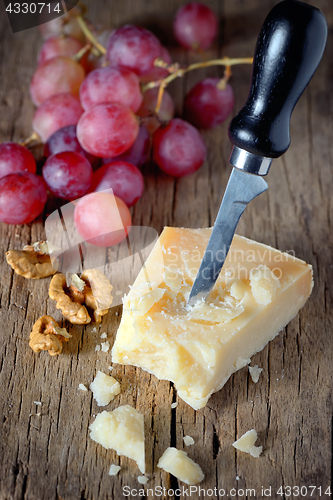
pixel 288 51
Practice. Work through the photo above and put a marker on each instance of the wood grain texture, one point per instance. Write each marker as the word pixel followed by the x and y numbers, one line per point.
pixel 51 456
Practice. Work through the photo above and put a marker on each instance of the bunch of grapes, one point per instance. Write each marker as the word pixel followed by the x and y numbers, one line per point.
pixel 101 118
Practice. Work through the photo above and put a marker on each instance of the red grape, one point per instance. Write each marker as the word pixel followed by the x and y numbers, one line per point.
pixel 107 129
pixel 195 26
pixel 178 148
pixel 167 108
pixel 206 105
pixel 123 178
pixel 134 47
pixel 111 84
pixel 22 197
pixel 58 46
pixel 67 175
pixel 15 158
pixel 55 76
pixel 138 153
pixel 56 112
pixel 65 139
pixel 102 219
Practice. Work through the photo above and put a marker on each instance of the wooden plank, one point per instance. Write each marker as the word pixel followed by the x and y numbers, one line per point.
pixel 50 456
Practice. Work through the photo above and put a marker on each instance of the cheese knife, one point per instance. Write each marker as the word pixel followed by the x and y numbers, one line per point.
pixel 288 50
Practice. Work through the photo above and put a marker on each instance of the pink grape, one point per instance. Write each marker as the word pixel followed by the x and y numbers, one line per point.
pixel 58 46
pixel 15 158
pixel 102 219
pixel 107 129
pixel 55 76
pixel 123 178
pixel 22 197
pixel 195 26
pixel 134 47
pixel 178 148
pixel 138 153
pixel 65 139
pixel 167 108
pixel 67 175
pixel 56 112
pixel 111 84
pixel 206 105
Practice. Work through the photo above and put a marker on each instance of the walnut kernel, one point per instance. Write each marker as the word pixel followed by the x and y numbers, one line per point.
pixel 32 262
pixel 46 335
pixel 69 300
pixel 92 290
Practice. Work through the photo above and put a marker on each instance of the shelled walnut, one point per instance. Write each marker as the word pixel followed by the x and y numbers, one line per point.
pixel 33 262
pixel 46 335
pixel 92 291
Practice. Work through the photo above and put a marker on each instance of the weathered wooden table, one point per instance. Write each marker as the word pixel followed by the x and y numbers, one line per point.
pixel 50 456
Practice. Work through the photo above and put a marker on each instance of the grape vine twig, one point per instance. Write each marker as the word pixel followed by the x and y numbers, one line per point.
pixel 176 72
pixel 89 35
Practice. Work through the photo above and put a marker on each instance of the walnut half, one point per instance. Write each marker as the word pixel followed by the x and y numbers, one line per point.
pixel 92 291
pixel 69 300
pixel 32 262
pixel 46 335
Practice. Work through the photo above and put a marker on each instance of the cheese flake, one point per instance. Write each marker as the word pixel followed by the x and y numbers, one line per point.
pixel 105 388
pixel 246 443
pixel 180 465
pixel 255 373
pixel 121 430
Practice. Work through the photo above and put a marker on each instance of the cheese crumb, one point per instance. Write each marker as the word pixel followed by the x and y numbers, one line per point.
pixel 37 402
pixel 82 387
pixel 246 443
pixel 177 463
pixel 255 372
pixel 188 440
pixel 105 346
pixel 114 469
pixel 104 335
pixel 240 363
pixel 104 388
pixel 121 430
pixel 98 348
pixel 143 479
pixel 174 405
pixel 264 284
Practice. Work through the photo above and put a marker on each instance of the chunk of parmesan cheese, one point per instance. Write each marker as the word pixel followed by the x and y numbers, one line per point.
pixel 180 465
pixel 121 430
pixel 198 348
pixel 105 388
pixel 246 443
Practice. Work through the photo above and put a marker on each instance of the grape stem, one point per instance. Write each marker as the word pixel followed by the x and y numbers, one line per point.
pixel 32 138
pixel 89 35
pixel 78 56
pixel 176 72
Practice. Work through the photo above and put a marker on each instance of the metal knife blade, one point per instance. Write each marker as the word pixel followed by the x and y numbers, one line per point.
pixel 241 189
